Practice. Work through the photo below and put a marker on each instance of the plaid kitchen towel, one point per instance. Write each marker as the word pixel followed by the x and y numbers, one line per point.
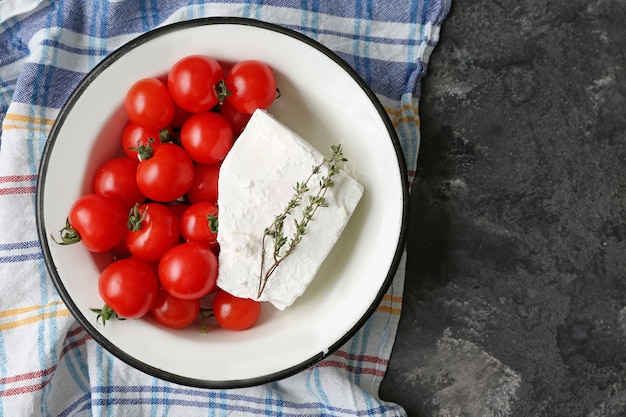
pixel 49 366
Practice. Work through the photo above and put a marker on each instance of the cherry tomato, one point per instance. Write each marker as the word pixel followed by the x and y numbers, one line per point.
pixel 153 230
pixel 136 137
pixel 196 223
pixel 129 287
pixel 251 85
pixel 173 312
pixel 234 313
pixel 116 178
pixel 188 270
pixel 148 104
pixel 237 120
pixel 167 174
pixel 99 221
pixel 205 183
pixel 192 82
pixel 207 137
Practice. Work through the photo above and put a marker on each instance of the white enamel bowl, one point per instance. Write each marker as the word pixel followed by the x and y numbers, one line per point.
pixel 324 101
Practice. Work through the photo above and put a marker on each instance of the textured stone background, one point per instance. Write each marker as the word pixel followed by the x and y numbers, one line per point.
pixel 514 297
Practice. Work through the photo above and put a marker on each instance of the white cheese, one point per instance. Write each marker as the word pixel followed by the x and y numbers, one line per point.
pixel 256 182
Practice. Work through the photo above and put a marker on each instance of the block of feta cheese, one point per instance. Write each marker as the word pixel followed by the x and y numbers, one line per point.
pixel 256 181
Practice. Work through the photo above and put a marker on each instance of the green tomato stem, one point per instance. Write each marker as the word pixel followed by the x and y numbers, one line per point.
pixel 68 235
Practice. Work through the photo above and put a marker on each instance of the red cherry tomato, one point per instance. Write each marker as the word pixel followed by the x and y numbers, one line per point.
pixel 129 287
pixel 205 183
pixel 252 86
pixel 192 82
pixel 188 270
pixel 98 221
pixel 136 137
pixel 173 312
pixel 195 223
pixel 167 174
pixel 116 178
pixel 207 137
pixel 234 313
pixel 153 230
pixel 237 120
pixel 148 104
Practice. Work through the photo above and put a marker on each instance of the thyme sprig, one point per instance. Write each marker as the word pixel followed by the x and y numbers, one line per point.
pixel 284 246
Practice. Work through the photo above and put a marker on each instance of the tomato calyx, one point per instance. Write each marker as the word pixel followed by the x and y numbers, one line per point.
pixel 105 314
pixel 221 92
pixel 68 235
pixel 165 136
pixel 136 218
pixel 213 222
pixel 205 313
pixel 144 151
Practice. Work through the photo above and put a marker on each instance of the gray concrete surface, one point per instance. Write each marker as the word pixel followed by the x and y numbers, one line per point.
pixel 515 301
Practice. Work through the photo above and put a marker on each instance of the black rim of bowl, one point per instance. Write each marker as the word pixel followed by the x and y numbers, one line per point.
pixel 41 229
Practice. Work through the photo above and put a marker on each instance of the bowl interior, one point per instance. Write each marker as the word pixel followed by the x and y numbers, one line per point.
pixel 321 100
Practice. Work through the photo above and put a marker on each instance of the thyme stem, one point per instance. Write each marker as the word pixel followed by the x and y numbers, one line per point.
pixel 282 246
